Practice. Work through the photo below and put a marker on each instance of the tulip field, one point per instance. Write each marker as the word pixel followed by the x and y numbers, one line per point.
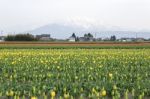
pixel 75 73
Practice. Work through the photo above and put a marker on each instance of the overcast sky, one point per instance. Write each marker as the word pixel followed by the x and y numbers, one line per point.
pixel 22 15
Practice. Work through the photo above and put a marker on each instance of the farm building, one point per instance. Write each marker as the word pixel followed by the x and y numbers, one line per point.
pixel 2 38
pixel 140 39
pixel 83 39
pixel 44 37
pixel 127 39
pixel 72 39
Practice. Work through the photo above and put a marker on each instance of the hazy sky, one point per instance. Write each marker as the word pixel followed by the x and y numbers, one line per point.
pixel 22 15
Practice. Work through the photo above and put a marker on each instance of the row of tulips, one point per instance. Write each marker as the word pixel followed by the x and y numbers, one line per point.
pixel 75 73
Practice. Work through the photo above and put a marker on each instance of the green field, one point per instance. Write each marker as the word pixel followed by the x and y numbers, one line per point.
pixel 73 47
pixel 75 73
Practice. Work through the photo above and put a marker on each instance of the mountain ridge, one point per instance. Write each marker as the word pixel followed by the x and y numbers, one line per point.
pixel 65 30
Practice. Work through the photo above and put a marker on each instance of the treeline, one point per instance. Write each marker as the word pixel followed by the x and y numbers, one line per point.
pixel 20 37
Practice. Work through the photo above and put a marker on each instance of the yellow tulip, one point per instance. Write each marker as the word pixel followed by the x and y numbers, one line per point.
pixel 33 97
pixel 53 94
pixel 103 92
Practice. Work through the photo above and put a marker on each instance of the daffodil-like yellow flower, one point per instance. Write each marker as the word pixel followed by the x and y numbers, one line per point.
pixel 103 93
pixel 33 97
pixel 110 75
pixel 66 96
pixel 11 93
pixel 53 94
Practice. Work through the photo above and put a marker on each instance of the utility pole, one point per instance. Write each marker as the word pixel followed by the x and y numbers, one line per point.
pixel 95 35
pixel 136 37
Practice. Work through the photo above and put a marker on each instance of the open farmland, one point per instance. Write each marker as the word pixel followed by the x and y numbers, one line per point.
pixel 75 73
pixel 75 43
pixel 81 45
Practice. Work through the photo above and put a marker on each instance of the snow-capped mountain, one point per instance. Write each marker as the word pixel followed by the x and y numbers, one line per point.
pixel 64 30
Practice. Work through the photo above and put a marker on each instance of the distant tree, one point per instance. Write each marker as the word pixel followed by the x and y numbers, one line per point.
pixel 74 35
pixel 113 38
pixel 89 35
pixel 77 38
pixel 20 37
pixel 85 35
pixel 10 38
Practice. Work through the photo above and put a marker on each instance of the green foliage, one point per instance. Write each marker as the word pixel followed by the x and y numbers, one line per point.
pixel 71 47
